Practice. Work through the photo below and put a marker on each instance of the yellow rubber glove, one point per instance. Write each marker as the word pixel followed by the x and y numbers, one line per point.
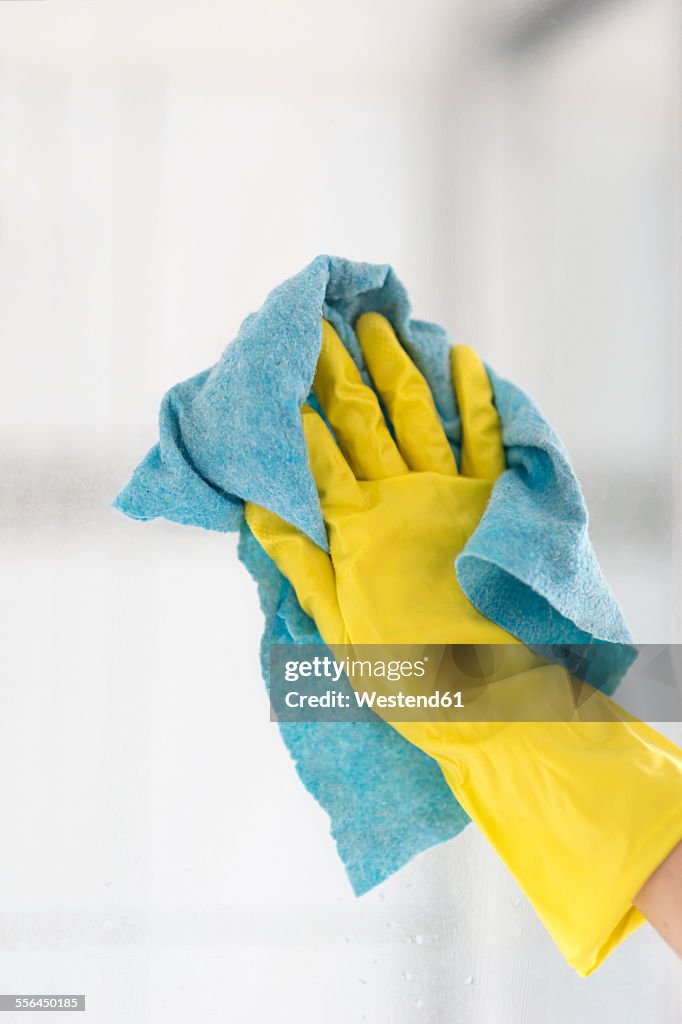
pixel 582 812
pixel 397 515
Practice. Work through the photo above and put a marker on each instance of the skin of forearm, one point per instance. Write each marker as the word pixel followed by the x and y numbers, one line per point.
pixel 660 899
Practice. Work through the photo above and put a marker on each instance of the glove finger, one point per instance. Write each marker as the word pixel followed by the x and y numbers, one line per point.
pixel 308 568
pixel 482 448
pixel 337 488
pixel 407 397
pixel 354 412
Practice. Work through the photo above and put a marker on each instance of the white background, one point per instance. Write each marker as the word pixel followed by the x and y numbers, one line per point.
pixel 162 166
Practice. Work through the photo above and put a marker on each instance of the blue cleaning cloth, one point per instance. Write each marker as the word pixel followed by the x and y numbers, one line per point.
pixel 233 433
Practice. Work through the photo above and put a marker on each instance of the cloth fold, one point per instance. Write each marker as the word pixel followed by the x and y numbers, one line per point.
pixel 233 433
